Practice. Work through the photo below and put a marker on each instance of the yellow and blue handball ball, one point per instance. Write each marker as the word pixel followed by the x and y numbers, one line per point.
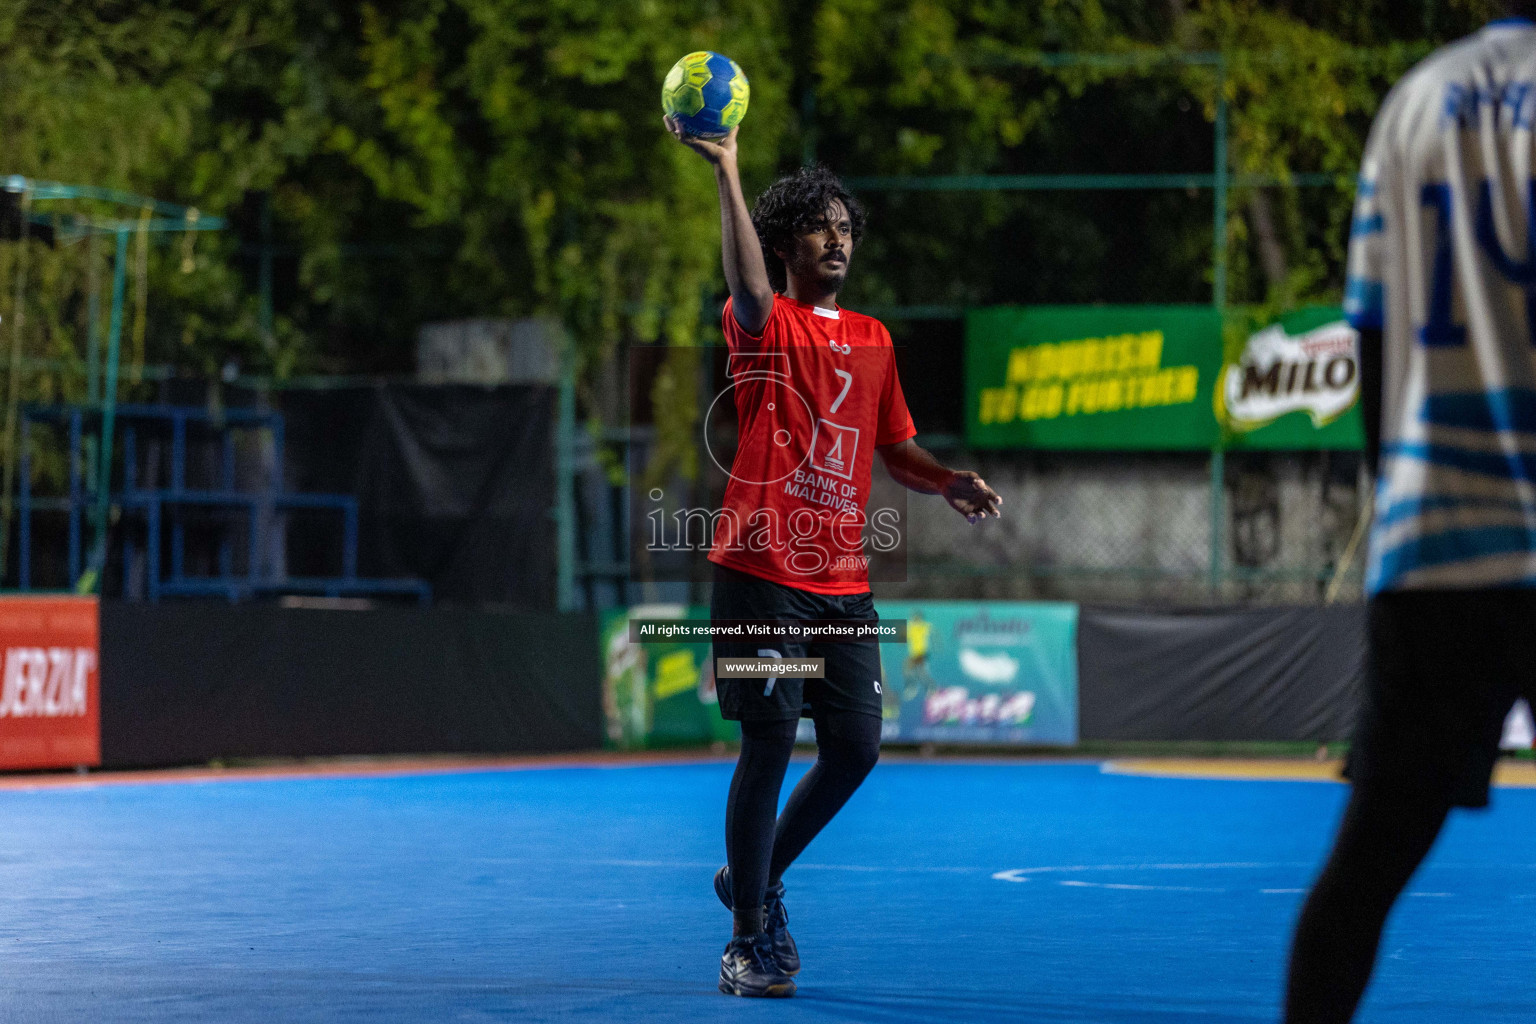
pixel 707 93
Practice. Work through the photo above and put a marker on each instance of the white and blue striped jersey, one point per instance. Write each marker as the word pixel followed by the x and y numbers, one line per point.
pixel 1442 260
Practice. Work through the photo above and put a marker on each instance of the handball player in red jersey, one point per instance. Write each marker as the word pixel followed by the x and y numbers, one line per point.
pixel 816 396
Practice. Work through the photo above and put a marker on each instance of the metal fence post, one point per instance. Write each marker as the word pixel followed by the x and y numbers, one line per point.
pixel 93 316
pixel 1222 182
pixel 109 411
pixel 808 127
pixel 565 481
pixel 1219 300
pixel 264 276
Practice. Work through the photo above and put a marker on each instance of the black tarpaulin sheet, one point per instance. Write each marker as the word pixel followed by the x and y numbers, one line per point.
pixel 1246 674
pixel 455 484
pixel 190 682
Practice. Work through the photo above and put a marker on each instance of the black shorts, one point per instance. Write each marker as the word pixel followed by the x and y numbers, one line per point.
pixel 1444 669
pixel 853 678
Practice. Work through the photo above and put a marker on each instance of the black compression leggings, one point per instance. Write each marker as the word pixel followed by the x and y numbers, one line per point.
pixel 847 747
pixel 1381 842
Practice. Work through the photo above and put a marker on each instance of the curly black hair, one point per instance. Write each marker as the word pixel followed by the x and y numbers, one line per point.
pixel 791 205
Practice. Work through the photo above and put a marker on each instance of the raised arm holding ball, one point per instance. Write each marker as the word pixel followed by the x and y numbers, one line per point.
pixel 831 400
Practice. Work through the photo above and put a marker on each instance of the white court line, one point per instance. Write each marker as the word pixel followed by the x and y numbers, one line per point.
pixel 918 868
pixel 1024 874
pixel 651 863
pixel 878 869
pixel 1123 885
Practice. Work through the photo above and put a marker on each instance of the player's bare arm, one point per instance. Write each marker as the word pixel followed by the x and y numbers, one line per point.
pixel 915 468
pixel 740 252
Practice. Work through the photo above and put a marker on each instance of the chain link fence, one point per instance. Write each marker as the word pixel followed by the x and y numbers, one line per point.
pixel 1148 529
pixel 1107 528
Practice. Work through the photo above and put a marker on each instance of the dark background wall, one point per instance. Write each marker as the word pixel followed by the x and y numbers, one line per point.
pixel 1243 674
pixel 188 683
pixel 194 682
pixel 455 484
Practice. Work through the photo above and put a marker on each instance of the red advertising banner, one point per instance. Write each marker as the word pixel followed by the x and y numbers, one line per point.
pixel 50 707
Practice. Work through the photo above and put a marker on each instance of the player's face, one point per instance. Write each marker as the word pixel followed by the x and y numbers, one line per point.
pixel 822 251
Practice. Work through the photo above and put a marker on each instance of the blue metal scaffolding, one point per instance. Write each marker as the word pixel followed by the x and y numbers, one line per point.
pixel 159 512
pixel 153 216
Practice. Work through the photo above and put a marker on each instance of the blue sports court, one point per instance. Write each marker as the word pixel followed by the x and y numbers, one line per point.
pixel 947 891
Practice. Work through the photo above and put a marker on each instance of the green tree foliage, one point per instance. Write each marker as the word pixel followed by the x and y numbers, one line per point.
pixel 421 161
pixel 103 100
pixel 933 87
pixel 440 158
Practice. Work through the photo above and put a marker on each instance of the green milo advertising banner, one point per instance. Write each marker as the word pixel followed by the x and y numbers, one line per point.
pixel 1110 377
pixel 969 672
pixel 659 694
pixel 1291 384
pixel 1160 378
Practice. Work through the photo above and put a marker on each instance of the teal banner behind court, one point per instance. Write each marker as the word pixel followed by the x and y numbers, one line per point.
pixel 973 672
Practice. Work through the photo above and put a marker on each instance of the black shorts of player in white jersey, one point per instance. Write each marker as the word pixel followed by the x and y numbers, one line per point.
pixel 1444 669
pixel 853 680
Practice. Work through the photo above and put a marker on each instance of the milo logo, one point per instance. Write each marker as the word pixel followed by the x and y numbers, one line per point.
pixel 1317 372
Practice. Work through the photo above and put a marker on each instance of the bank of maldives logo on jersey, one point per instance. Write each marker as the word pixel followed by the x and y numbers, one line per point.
pixel 834 448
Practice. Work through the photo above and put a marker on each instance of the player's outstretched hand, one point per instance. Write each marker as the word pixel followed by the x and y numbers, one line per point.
pixel 716 151
pixel 969 494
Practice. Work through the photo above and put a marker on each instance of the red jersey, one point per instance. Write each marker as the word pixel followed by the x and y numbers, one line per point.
pixel 815 394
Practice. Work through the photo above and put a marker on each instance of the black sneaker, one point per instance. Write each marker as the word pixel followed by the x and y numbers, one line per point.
pixel 749 969
pixel 775 920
